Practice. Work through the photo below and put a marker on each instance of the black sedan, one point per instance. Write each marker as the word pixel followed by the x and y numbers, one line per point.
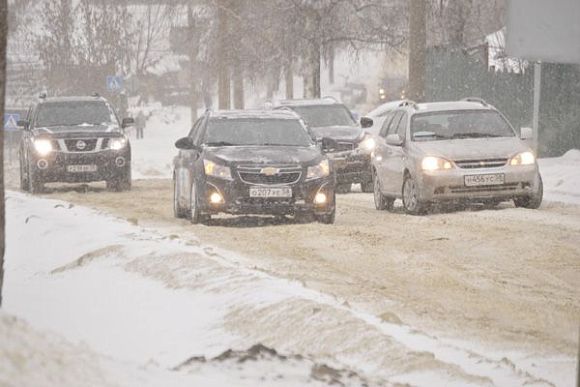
pixel 252 162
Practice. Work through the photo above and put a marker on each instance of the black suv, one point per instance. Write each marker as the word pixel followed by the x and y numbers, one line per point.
pixel 328 118
pixel 73 140
pixel 252 162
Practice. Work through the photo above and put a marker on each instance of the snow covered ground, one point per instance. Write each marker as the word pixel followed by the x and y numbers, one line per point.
pixel 129 296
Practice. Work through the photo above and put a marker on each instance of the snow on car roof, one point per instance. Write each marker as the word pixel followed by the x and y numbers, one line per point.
pixel 72 99
pixel 450 105
pixel 255 114
pixel 309 102
pixel 384 108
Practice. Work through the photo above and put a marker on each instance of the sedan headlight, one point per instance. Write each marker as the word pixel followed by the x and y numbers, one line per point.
pixel 217 170
pixel 118 143
pixel 368 144
pixel 524 158
pixel 318 171
pixel 43 147
pixel 431 163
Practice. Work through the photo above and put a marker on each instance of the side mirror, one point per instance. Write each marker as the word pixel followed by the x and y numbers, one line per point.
pixel 526 133
pixel 127 122
pixel 23 124
pixel 366 122
pixel 394 140
pixel 185 143
pixel 328 144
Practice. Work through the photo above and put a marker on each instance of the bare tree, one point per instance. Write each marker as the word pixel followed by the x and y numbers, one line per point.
pixel 3 44
pixel 417 48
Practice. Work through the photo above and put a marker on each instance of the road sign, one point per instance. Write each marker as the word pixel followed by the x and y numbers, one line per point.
pixel 114 82
pixel 11 121
pixel 544 30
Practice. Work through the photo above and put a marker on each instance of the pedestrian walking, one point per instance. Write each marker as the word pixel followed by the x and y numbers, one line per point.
pixel 140 124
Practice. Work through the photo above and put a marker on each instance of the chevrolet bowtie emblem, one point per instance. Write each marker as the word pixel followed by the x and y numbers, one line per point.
pixel 270 171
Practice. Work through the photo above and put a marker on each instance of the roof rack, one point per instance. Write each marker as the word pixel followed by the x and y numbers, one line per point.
pixel 475 99
pixel 408 102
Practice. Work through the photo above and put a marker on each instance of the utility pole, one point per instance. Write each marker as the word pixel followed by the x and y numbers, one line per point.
pixel 417 49
pixel 193 73
pixel 223 57
pixel 3 43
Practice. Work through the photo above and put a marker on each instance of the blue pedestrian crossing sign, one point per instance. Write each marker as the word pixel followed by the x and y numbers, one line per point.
pixel 114 82
pixel 11 121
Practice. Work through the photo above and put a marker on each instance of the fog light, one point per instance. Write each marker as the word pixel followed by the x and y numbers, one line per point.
pixel 216 198
pixel 320 198
pixel 42 164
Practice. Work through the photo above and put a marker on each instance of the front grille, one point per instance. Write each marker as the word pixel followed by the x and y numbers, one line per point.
pixel 482 163
pixel 487 188
pixel 284 176
pixel 344 146
pixel 81 145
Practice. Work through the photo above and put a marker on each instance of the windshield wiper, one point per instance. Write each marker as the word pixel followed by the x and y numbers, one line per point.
pixel 219 143
pixel 474 135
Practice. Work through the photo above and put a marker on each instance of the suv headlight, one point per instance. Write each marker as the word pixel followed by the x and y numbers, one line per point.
pixel 43 146
pixel 118 143
pixel 318 171
pixel 217 170
pixel 524 158
pixel 431 163
pixel 368 144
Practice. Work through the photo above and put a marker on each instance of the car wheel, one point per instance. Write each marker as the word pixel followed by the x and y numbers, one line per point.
pixel 119 184
pixel 330 217
pixel 343 188
pixel 381 201
pixel 178 211
pixel 411 202
pixel 367 187
pixel 194 212
pixel 35 185
pixel 533 201
pixel 23 180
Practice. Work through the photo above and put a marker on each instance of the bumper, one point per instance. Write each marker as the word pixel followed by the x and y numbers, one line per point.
pixel 352 167
pixel 450 185
pixel 109 164
pixel 237 200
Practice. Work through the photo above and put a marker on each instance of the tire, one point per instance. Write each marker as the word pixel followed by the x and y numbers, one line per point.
pixel 533 201
pixel 329 218
pixel 178 211
pixel 195 216
pixel 367 187
pixel 343 188
pixel 411 203
pixel 35 185
pixel 381 201
pixel 122 183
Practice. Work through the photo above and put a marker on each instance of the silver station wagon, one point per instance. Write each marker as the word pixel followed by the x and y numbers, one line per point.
pixel 453 151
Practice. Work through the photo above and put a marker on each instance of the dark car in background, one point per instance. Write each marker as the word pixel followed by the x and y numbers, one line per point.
pixel 74 140
pixel 252 162
pixel 330 119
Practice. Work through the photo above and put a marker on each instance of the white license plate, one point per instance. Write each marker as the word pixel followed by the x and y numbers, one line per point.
pixel 274 192
pixel 81 168
pixel 491 179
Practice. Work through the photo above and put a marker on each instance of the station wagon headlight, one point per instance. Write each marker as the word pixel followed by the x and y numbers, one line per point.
pixel 431 163
pixel 217 170
pixel 318 171
pixel 524 158
pixel 368 144
pixel 118 143
pixel 43 147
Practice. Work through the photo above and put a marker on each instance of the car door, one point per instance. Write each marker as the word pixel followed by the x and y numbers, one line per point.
pixel 380 149
pixel 185 164
pixel 394 158
pixel 384 150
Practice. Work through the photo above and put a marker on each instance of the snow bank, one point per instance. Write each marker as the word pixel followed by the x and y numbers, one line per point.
pixel 561 176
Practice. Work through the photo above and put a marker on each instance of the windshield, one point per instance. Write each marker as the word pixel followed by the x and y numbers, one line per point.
pixel 459 124
pixel 276 132
pixel 73 114
pixel 325 115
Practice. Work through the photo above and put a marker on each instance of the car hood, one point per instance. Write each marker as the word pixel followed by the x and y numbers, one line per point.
pixel 79 130
pixel 339 133
pixel 262 155
pixel 476 148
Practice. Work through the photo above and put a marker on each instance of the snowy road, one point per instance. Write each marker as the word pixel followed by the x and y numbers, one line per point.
pixel 498 282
